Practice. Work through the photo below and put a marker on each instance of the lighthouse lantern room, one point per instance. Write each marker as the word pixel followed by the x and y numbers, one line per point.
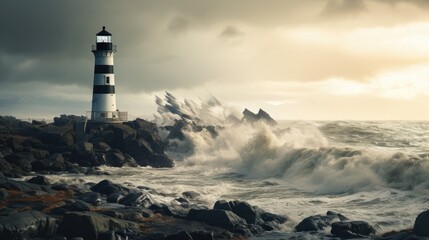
pixel 104 108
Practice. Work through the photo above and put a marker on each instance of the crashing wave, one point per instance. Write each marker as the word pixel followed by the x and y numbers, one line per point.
pixel 211 134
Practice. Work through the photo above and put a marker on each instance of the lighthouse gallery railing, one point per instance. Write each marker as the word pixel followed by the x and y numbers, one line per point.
pixel 107 116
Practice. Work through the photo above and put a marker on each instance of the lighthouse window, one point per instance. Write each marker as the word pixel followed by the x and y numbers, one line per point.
pixel 107 80
pixel 106 39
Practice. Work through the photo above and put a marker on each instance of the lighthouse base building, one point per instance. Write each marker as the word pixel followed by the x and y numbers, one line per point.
pixel 104 109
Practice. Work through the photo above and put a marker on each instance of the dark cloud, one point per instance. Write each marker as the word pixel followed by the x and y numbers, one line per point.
pixel 343 7
pixel 231 32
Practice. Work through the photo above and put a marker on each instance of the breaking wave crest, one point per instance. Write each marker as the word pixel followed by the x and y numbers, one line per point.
pixel 297 152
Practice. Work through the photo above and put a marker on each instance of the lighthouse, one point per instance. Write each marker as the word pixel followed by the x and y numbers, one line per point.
pixel 104 109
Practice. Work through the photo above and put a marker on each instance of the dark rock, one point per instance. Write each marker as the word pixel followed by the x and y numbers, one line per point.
pixel 161 208
pixel 89 225
pixel 137 199
pixel 140 150
pixel 6 168
pixel 54 163
pixel 160 161
pixel 201 235
pixel 91 197
pixel 60 187
pixel 20 186
pixel 252 214
pixel 191 194
pixel 3 194
pixel 122 135
pixel 114 197
pixel 133 214
pixel 102 146
pixel 26 224
pixel 421 224
pixel 353 229
pixel 79 206
pixel 22 160
pixel 250 117
pixel 106 187
pixel 247 212
pixel 319 222
pixel 180 236
pixel 38 122
pixel 85 155
pixel 216 217
pixel 182 200
pixel 116 158
pixel 56 136
pixel 176 131
pixel 39 153
pixel 107 236
pixel 14 144
pixel 130 161
pixel 68 120
pixel 39 180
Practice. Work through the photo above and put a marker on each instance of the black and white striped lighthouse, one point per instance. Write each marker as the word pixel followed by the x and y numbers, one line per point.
pixel 104 107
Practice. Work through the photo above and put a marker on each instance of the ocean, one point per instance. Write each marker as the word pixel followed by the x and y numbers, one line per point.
pixel 367 170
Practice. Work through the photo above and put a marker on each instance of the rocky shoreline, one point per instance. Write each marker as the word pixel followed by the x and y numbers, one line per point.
pixel 32 206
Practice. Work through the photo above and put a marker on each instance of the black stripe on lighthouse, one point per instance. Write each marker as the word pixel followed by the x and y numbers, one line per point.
pixel 103 69
pixel 103 89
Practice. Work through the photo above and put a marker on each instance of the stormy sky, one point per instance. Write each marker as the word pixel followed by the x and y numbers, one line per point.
pixel 303 59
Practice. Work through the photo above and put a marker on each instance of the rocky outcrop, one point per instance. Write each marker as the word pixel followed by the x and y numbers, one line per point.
pixel 59 146
pixel 250 117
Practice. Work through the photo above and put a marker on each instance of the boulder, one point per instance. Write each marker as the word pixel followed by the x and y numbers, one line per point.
pixel 39 153
pixel 218 218
pixel 319 222
pixel 222 204
pixel 116 158
pixel 27 224
pixel 22 160
pixel 140 150
pixel 252 214
pixel 421 224
pixel 161 208
pixel 247 212
pixel 78 206
pixel 352 229
pixel 89 225
pixel 55 162
pixel 107 187
pixel 122 135
pixel 39 180
pixel 160 161
pixel 114 197
pixel 137 199
pixel 93 198
pixel 6 168
pixel 56 136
